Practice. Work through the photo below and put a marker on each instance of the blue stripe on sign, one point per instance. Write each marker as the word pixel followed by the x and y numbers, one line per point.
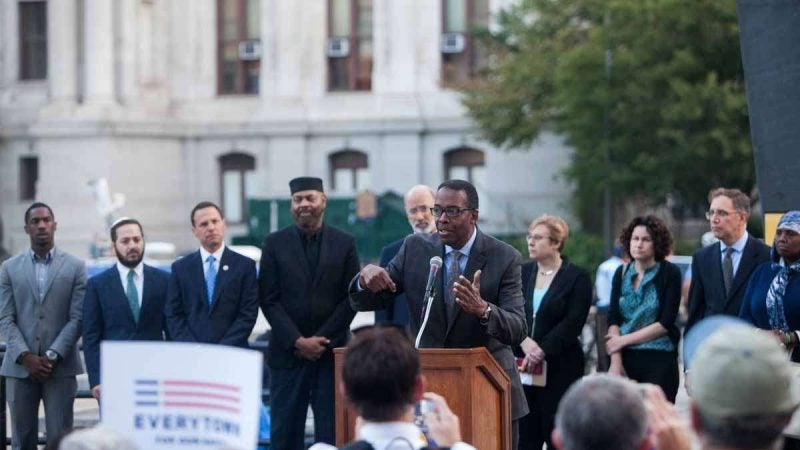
pixel 146 392
pixel 147 382
pixel 146 403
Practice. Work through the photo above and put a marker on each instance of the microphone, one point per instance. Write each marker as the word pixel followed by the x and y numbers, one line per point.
pixel 436 264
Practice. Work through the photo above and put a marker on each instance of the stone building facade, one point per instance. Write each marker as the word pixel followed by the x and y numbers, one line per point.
pixel 171 102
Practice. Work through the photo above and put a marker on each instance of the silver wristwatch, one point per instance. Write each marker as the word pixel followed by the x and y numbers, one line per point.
pixel 51 355
pixel 485 316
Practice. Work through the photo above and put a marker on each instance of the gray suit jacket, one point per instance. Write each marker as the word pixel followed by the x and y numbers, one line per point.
pixel 501 286
pixel 33 324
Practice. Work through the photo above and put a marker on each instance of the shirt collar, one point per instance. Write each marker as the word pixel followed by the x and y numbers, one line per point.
pixel 123 269
pixel 47 259
pixel 738 246
pixel 385 432
pixel 467 247
pixel 217 254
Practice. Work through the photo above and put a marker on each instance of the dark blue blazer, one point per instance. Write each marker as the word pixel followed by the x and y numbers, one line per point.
pixel 396 310
pixel 107 316
pixel 234 306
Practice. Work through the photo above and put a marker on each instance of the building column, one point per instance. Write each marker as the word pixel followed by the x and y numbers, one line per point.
pixel 62 55
pixel 98 48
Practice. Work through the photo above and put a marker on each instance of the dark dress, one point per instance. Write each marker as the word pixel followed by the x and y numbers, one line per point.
pixel 655 361
pixel 559 322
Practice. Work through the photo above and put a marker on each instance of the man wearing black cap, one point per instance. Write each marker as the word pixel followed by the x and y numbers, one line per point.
pixel 305 271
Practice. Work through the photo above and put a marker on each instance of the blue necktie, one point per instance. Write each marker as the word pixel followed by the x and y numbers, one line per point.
pixel 211 278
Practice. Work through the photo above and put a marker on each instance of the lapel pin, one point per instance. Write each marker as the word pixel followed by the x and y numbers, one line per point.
pixel 225 267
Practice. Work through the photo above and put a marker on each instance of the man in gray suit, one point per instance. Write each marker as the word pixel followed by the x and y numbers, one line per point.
pixel 478 292
pixel 41 296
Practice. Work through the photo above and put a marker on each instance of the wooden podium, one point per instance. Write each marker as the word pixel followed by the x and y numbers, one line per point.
pixel 475 386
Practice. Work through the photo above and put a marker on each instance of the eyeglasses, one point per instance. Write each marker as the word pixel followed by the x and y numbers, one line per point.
pixel 450 211
pixel 718 212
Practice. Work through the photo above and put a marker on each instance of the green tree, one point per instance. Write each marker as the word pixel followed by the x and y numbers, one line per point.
pixel 649 93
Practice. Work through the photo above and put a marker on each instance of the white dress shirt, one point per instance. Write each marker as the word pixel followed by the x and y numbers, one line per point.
pixel 138 278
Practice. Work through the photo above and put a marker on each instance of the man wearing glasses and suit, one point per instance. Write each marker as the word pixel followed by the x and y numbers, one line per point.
pixel 478 293
pixel 720 271
pixel 41 296
pixel 125 302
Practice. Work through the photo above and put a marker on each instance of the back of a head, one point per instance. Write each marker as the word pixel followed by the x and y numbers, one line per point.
pixel 742 388
pixel 380 370
pixel 585 421
pixel 97 438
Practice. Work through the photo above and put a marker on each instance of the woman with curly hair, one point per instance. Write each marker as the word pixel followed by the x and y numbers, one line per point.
pixel 646 293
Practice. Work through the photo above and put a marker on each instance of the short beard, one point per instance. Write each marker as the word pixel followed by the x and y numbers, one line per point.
pixel 310 223
pixel 128 263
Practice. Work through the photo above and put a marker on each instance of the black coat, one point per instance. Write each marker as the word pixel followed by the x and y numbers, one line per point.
pixel 298 303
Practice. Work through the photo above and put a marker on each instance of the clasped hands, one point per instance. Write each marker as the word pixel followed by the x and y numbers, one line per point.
pixel 534 355
pixel 468 293
pixel 39 367
pixel 311 348
pixel 615 343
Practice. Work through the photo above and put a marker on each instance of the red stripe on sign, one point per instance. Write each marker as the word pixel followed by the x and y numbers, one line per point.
pixel 202 406
pixel 203 384
pixel 201 394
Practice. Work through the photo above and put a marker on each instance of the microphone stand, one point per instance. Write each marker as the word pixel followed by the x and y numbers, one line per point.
pixel 426 312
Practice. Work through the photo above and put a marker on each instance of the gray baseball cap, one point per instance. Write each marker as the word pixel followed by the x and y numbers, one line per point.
pixel 741 371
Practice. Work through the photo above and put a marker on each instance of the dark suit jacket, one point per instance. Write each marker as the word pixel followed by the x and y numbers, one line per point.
pixel 298 303
pixel 108 317
pixel 396 310
pixel 500 286
pixel 561 316
pixel 234 307
pixel 707 292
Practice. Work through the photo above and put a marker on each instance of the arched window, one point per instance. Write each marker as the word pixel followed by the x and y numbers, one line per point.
pixel 236 180
pixel 349 171
pixel 465 163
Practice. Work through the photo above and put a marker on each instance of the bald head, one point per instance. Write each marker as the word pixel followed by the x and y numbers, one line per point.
pixel 418 203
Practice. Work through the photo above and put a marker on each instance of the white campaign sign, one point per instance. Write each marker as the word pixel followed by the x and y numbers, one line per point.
pixel 170 395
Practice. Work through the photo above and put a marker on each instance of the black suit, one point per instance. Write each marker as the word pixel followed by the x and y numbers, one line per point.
pixel 299 303
pixel 230 317
pixel 558 325
pixel 500 286
pixel 707 292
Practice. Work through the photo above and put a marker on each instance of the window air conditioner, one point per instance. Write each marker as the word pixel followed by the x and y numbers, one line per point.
pixel 338 47
pixel 452 43
pixel 250 50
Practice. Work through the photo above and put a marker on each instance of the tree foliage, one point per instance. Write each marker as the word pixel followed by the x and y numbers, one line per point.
pixel 649 93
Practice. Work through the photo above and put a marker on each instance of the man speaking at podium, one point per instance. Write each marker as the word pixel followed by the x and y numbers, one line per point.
pixel 477 295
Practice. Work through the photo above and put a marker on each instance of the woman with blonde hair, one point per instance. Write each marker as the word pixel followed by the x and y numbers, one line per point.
pixel 557 296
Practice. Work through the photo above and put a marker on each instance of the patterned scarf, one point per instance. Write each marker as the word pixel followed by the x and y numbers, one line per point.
pixel 777 289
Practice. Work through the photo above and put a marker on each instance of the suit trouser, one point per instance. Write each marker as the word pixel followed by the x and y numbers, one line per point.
pixel 24 395
pixel 291 391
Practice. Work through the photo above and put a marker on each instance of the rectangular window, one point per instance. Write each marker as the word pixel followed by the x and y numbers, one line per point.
pixel 239 46
pixel 32 40
pixel 349 46
pixel 463 56
pixel 28 177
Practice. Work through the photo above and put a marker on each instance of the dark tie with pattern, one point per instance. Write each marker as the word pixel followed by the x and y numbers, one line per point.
pixel 727 270
pixel 452 276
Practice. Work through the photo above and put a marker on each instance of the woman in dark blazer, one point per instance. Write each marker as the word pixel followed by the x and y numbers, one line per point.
pixel 645 296
pixel 557 297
